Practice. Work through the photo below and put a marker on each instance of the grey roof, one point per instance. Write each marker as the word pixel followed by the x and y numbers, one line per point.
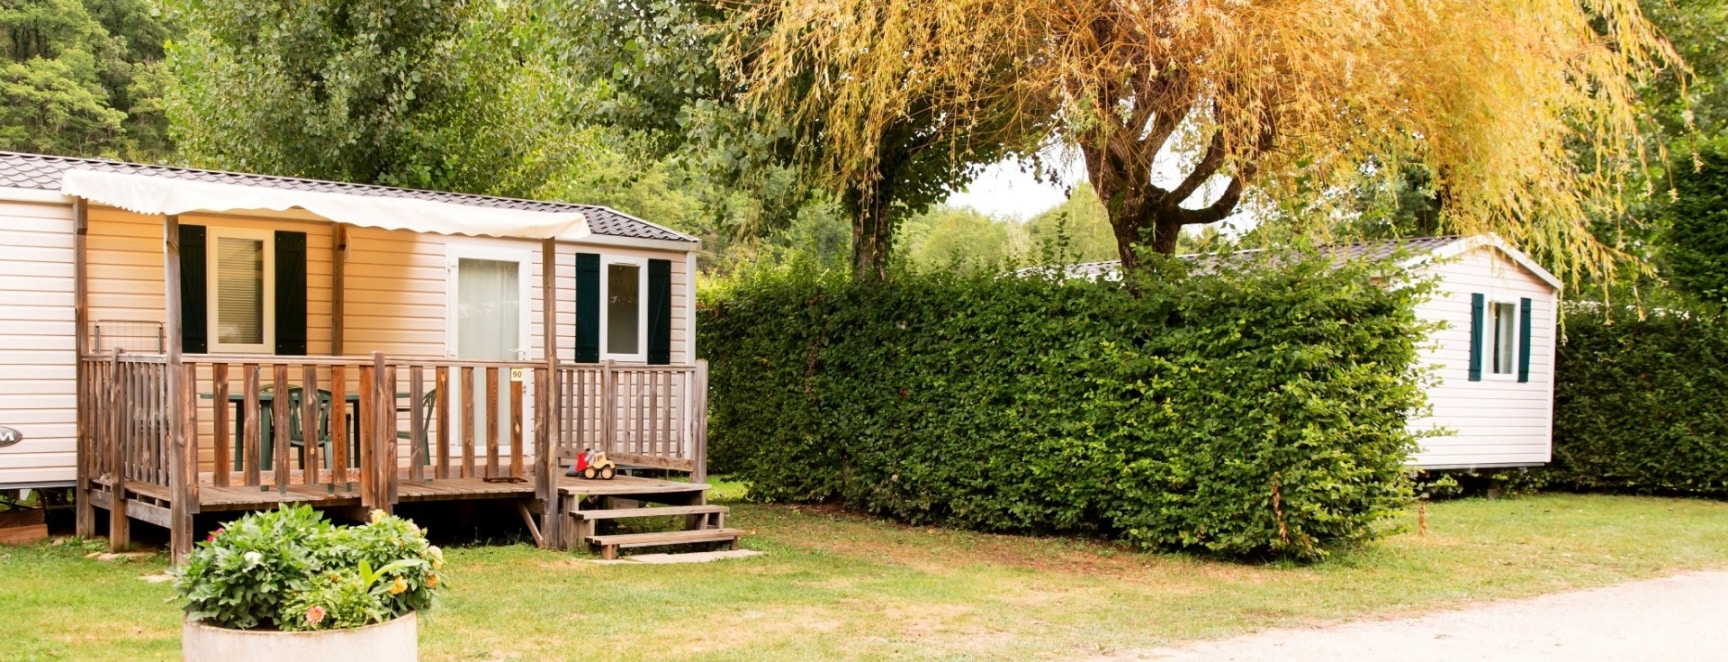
pixel 43 172
pixel 1207 262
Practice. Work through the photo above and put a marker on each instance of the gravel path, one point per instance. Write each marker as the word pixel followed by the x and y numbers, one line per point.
pixel 1683 617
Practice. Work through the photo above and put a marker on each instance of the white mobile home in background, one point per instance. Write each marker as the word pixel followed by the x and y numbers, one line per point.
pixel 1492 360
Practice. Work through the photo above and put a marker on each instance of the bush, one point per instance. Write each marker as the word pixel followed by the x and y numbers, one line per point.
pixel 1259 411
pixel 1638 402
pixel 1694 245
pixel 289 569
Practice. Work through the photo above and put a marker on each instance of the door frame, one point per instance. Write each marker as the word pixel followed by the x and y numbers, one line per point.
pixel 454 253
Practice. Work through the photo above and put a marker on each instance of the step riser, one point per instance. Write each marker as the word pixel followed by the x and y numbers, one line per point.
pixel 609 545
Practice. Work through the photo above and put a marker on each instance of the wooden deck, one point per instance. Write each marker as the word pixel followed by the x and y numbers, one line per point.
pixel 324 495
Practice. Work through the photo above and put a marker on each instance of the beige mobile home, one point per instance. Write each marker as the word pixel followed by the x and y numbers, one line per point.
pixel 177 341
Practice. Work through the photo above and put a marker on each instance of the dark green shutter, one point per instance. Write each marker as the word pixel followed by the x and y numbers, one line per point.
pixel 587 308
pixel 659 312
pixel 1478 303
pixel 194 292
pixel 290 293
pixel 1524 306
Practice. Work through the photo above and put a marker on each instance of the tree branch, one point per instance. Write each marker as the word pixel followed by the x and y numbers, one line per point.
pixel 1208 165
pixel 1225 204
pixel 1218 210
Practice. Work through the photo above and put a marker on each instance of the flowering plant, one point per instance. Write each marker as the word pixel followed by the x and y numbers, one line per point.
pixel 289 569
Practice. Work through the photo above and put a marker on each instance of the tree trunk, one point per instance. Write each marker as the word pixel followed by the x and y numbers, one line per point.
pixel 872 234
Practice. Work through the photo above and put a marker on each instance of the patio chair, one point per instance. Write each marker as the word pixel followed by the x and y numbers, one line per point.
pixel 426 406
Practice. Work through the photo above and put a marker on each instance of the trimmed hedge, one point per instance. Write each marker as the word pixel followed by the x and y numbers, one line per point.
pixel 1255 413
pixel 1638 404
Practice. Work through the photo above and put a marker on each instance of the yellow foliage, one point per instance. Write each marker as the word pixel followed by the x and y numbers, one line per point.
pixel 1523 109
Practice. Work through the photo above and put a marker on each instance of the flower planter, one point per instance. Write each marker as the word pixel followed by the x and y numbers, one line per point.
pixel 391 641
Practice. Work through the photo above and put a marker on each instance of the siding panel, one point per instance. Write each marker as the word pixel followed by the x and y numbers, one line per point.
pixel 37 395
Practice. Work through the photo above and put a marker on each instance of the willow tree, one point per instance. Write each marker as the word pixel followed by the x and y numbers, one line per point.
pixel 1499 99
pixel 867 117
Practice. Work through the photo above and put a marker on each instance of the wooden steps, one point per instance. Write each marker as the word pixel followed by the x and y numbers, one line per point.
pixel 664 511
pixel 592 504
pixel 609 545
pixel 702 524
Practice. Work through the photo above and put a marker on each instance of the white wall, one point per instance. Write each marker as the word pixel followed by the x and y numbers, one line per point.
pixel 1496 421
pixel 38 395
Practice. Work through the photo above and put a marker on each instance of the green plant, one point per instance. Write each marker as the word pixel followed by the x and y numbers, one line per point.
pixel 290 569
pixel 1257 409
pixel 1637 401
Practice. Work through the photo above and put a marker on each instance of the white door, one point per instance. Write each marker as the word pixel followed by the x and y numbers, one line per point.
pixel 489 304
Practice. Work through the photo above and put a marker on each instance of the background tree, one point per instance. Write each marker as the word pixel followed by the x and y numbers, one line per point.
pixel 444 95
pixel 83 78
pixel 1082 223
pixel 675 144
pixel 962 237
pixel 1496 98
pixel 884 142
pixel 1695 238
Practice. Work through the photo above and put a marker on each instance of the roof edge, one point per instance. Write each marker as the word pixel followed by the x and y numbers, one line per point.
pixel 1492 241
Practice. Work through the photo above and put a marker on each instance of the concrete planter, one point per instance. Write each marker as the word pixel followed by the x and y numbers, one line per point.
pixel 392 641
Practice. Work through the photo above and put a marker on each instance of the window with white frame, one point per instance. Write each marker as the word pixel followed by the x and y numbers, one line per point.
pixel 624 307
pixel 240 265
pixel 1503 337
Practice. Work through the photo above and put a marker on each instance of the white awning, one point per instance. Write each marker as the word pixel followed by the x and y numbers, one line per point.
pixel 144 194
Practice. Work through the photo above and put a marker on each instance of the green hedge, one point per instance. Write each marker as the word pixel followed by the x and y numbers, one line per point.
pixel 1638 404
pixel 1246 414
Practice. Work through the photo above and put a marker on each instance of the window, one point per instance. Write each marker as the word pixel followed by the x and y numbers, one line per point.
pixel 1503 324
pixel 624 308
pixel 241 281
pixel 487 302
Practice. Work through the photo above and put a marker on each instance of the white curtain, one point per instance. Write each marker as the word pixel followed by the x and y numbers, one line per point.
pixel 488 328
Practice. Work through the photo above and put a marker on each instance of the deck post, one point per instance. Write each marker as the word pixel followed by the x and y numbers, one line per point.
pixel 699 409
pixel 608 406
pixel 181 482
pixel 546 397
pixel 383 468
pixel 338 288
pixel 119 528
pixel 87 435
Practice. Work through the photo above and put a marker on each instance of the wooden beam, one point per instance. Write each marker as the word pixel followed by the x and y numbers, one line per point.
pixel 338 289
pixel 87 451
pixel 383 469
pixel 154 514
pixel 532 529
pixel 182 474
pixel 546 398
pixel 653 461
pixel 492 421
pixel 279 434
pixel 700 415
pixel 119 528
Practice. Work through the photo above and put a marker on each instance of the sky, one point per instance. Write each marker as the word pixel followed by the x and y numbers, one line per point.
pixel 1006 189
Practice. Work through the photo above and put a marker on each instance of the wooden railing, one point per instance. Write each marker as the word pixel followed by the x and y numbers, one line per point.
pixel 127 419
pixel 364 424
pixel 651 416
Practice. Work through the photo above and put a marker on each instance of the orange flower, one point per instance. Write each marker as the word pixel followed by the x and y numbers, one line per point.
pixel 315 615
pixel 398 586
pixel 431 581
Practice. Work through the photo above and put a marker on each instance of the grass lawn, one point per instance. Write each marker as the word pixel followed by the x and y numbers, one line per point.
pixel 840 586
